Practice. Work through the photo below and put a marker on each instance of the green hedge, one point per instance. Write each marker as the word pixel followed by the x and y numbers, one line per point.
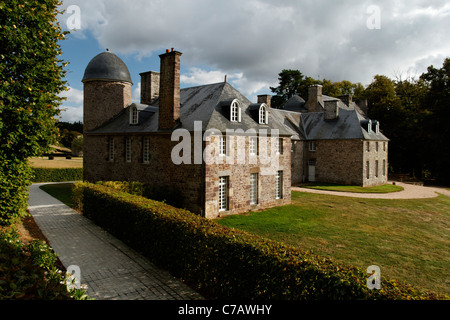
pixel 57 175
pixel 29 271
pixel 226 263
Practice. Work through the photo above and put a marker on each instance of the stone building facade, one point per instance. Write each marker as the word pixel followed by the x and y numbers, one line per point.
pixel 219 152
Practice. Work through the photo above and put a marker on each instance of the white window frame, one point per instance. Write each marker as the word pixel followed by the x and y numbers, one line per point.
pixel 223 145
pixel 279 145
pixel 223 193
pixel 146 150
pixel 235 111
pixel 254 189
pixel 253 146
pixel 263 114
pixel 134 115
pixel 128 149
pixel 279 185
pixel 111 149
pixel 312 146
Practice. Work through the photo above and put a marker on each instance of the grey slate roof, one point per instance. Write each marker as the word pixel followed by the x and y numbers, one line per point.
pixel 208 104
pixel 106 66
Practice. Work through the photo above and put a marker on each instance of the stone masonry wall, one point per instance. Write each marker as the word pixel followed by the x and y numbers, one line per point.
pixel 239 177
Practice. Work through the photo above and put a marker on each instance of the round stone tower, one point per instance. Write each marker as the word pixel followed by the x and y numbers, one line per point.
pixel 107 89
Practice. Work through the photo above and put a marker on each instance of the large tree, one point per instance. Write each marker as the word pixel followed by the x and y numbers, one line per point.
pixel 30 80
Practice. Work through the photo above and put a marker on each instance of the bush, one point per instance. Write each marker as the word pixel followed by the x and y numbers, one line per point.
pixel 226 263
pixel 14 181
pixel 57 175
pixel 28 271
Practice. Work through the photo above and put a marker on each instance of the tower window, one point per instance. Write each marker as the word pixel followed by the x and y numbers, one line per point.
pixel 146 151
pixel 110 149
pixel 253 188
pixel 223 193
pixel 279 185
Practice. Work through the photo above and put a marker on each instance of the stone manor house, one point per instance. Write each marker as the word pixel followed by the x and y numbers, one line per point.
pixel 222 153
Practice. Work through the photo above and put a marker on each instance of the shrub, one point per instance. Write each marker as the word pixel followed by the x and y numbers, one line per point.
pixel 57 175
pixel 28 271
pixel 226 263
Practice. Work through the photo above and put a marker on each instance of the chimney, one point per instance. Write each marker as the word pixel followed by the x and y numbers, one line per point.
pixel 363 105
pixel 169 90
pixel 264 98
pixel 149 86
pixel 314 98
pixel 331 110
pixel 347 99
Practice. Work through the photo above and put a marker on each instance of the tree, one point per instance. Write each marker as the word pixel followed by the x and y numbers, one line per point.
pixel 30 81
pixel 437 101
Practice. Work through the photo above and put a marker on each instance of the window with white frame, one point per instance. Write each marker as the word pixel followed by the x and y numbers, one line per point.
pixel 146 150
pixel 111 149
pixel 263 114
pixel 279 185
pixel 253 188
pixel 292 146
pixel 223 193
pixel 253 146
pixel 235 111
pixel 312 146
pixel 222 145
pixel 128 149
pixel 134 115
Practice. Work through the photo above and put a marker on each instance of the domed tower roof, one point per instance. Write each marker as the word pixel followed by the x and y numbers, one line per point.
pixel 106 66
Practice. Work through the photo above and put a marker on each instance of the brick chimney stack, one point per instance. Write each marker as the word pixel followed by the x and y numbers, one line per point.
pixel 315 98
pixel 265 98
pixel 169 90
pixel 149 86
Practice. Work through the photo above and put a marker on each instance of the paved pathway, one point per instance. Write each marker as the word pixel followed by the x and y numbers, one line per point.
pixel 110 269
pixel 410 192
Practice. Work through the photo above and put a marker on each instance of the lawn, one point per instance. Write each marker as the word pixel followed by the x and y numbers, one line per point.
pixel 386 188
pixel 407 239
pixel 58 163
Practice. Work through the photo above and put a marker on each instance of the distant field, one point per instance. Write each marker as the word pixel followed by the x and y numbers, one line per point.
pixel 58 163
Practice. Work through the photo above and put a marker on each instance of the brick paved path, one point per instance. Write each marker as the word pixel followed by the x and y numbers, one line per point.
pixel 110 269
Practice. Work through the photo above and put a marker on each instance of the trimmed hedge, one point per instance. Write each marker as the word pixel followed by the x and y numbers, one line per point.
pixel 57 175
pixel 226 263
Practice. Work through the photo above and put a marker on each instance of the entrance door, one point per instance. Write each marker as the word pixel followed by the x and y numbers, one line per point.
pixel 312 171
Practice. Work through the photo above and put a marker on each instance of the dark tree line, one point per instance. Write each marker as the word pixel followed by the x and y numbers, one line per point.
pixel 414 114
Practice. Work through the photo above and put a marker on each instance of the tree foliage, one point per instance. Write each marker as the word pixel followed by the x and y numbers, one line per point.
pixel 30 80
pixel 293 82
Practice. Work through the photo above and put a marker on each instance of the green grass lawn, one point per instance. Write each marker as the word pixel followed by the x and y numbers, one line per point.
pixel 407 239
pixel 386 188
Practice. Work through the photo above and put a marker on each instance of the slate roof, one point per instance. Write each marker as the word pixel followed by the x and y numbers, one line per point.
pixel 208 104
pixel 106 66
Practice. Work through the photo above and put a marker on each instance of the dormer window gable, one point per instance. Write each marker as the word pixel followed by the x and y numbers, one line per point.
pixel 134 115
pixel 235 111
pixel 263 114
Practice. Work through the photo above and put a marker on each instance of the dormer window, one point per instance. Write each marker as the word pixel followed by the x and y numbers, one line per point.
pixel 235 111
pixel 377 128
pixel 369 127
pixel 263 114
pixel 134 115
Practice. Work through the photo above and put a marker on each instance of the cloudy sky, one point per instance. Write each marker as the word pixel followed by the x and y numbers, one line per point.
pixel 251 41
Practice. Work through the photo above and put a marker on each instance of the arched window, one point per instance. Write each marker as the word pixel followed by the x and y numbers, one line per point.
pixel 134 115
pixel 263 114
pixel 235 111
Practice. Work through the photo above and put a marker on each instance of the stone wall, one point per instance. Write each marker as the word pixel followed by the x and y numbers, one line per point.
pixel 185 179
pixel 375 152
pixel 239 169
pixel 297 163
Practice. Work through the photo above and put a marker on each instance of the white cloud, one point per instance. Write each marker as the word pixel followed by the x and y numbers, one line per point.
pixel 256 39
pixel 71 114
pixel 73 96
